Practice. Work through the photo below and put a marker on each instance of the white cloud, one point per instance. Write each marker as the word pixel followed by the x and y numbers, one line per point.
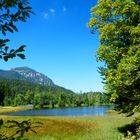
pixel 52 10
pixel 64 9
pixel 45 15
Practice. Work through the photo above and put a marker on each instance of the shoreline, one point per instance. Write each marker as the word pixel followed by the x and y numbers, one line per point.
pixel 11 109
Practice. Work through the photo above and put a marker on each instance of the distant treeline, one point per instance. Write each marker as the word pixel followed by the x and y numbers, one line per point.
pixel 17 92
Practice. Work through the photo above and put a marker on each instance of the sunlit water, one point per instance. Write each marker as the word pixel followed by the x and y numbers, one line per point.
pixel 76 111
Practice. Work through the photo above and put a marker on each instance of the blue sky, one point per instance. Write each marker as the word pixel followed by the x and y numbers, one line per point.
pixel 59 44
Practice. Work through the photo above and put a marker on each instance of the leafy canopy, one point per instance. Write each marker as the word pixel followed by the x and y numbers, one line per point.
pixel 12 11
pixel 118 24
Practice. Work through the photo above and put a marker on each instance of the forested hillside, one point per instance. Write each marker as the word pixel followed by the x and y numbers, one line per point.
pixel 19 92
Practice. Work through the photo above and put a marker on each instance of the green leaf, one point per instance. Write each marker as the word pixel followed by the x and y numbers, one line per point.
pixel 6 48
pixel 9 29
pixel 3 32
pixel 22 56
pixel 20 49
pixel 11 51
pixel 6 58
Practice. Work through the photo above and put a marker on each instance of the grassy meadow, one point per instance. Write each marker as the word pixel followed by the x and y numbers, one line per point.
pixel 77 128
pixel 10 109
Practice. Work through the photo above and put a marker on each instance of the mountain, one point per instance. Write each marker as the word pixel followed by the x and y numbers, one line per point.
pixel 27 74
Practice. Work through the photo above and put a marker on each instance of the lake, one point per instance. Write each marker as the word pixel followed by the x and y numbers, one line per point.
pixel 75 111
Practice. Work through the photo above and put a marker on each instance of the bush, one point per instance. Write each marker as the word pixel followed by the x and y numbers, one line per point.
pixel 20 129
pixel 135 135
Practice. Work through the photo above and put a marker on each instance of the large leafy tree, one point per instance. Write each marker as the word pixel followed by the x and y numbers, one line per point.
pixel 118 24
pixel 12 11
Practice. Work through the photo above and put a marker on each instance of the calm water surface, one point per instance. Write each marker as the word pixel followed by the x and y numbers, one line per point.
pixel 76 111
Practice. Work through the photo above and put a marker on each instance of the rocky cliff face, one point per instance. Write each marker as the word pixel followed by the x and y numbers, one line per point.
pixel 28 74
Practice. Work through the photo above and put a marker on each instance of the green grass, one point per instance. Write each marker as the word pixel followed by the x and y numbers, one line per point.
pixel 77 128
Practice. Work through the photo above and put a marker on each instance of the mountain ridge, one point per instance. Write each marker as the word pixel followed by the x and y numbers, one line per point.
pixel 27 74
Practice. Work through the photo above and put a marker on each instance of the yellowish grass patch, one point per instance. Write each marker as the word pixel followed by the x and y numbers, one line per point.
pixel 10 109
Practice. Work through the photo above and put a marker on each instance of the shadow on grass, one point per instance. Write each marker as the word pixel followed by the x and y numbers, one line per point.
pixel 129 127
